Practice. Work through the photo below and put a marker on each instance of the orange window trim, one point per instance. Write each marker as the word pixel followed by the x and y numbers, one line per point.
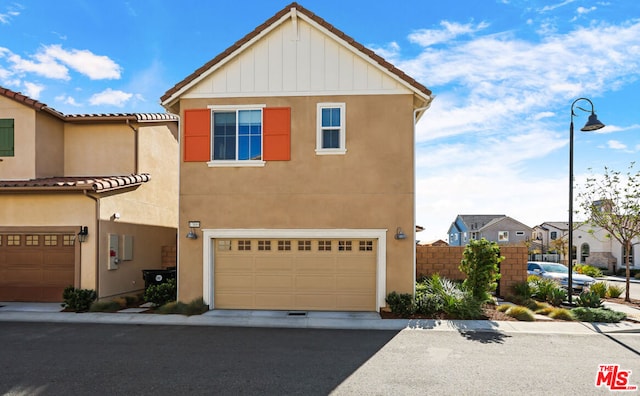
pixel 276 134
pixel 197 135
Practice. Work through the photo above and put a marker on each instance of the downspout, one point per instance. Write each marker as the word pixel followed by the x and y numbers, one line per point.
pixel 135 146
pixel 178 225
pixel 415 185
pixel 97 233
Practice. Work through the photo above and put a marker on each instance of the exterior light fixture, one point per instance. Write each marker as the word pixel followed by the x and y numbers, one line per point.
pixel 83 234
pixel 592 124
pixel 400 234
pixel 192 232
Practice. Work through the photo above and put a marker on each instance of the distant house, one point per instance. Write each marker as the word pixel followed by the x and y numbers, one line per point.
pixel 85 200
pixel 296 172
pixel 501 229
pixel 592 245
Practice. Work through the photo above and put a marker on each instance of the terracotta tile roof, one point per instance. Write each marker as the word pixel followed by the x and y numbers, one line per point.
pixel 93 184
pixel 376 58
pixel 39 106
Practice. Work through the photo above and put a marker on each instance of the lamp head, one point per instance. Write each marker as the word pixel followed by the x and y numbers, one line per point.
pixel 592 124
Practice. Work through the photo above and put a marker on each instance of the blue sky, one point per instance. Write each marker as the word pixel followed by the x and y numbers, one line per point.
pixel 504 73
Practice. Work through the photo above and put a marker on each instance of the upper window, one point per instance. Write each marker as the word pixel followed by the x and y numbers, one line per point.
pixel 503 236
pixel 554 235
pixel 331 128
pixel 237 134
pixel 6 137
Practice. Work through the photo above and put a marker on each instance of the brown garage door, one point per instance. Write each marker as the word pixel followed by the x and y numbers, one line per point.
pixel 292 274
pixel 36 267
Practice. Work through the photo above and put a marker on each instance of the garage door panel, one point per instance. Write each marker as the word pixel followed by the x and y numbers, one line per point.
pixel 313 278
pixel 58 259
pixel 58 277
pixel 273 281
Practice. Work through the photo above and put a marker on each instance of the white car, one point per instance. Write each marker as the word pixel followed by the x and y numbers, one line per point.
pixel 560 273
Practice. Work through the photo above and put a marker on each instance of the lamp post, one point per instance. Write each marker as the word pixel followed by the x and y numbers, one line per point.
pixel 592 125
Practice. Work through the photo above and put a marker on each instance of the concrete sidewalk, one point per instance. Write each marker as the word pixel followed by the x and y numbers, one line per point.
pixel 38 312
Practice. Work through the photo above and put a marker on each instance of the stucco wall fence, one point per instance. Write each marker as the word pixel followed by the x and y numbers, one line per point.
pixel 445 260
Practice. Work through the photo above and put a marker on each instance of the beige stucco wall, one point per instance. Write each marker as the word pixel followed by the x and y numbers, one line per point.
pixel 49 146
pixel 371 187
pixel 23 164
pixel 99 149
pixel 147 254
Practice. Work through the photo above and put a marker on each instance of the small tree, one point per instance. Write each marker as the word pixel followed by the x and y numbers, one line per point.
pixel 612 202
pixel 480 264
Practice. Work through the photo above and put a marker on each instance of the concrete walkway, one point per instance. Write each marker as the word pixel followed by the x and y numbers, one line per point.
pixel 51 312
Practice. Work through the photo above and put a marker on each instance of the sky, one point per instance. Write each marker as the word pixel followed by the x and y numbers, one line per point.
pixel 505 75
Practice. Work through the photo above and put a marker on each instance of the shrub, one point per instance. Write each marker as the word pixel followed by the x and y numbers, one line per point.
pixel 602 315
pixel 561 314
pixel 162 293
pixel 521 313
pixel 615 291
pixel 589 299
pixel 588 270
pixel 78 300
pixel 401 304
pixel 543 289
pixel 600 288
pixel 503 307
pixel 105 306
pixel 557 296
pixel 480 264
pixel 545 311
pixel 195 307
pixel 448 297
pixel 522 290
pixel 427 303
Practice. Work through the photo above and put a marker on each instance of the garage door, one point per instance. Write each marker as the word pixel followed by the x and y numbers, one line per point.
pixel 295 274
pixel 36 267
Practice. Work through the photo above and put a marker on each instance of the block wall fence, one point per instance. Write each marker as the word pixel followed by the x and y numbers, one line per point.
pixel 445 260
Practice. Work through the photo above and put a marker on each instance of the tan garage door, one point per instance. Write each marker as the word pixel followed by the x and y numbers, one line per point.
pixel 291 274
pixel 36 267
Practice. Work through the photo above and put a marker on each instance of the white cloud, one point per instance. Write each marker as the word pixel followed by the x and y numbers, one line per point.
pixel 554 6
pixel 33 90
pixel 43 66
pixel 110 97
pixel 67 100
pixel 451 30
pixel 96 67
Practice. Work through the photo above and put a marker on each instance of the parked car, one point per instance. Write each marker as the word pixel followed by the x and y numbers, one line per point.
pixel 560 273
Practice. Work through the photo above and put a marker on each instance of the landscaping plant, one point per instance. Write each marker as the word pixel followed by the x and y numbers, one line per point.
pixel 589 299
pixel 561 314
pixel 521 313
pixel 600 288
pixel 162 293
pixel 480 265
pixel 78 300
pixel 615 291
pixel 401 304
pixel 602 315
pixel 588 270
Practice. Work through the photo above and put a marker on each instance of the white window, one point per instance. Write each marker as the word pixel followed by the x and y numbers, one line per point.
pixel 503 236
pixel 236 137
pixel 331 128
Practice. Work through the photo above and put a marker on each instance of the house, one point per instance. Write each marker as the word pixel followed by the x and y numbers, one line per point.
pixel 594 245
pixel 501 229
pixel 85 200
pixel 297 171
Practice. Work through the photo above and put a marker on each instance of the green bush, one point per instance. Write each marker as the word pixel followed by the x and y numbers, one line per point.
pixel 602 315
pixel 561 314
pixel 503 307
pixel 522 290
pixel 589 299
pixel 615 291
pixel 427 303
pixel 600 288
pixel 401 304
pixel 78 300
pixel 588 270
pixel 543 289
pixel 521 313
pixel 161 294
pixel 480 265
pixel 557 297
pixel 195 307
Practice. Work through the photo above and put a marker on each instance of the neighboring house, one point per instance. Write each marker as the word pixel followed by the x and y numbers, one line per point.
pixel 466 227
pixel 592 245
pixel 85 200
pixel 297 172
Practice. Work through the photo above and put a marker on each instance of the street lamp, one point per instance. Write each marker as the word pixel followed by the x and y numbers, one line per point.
pixel 592 125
